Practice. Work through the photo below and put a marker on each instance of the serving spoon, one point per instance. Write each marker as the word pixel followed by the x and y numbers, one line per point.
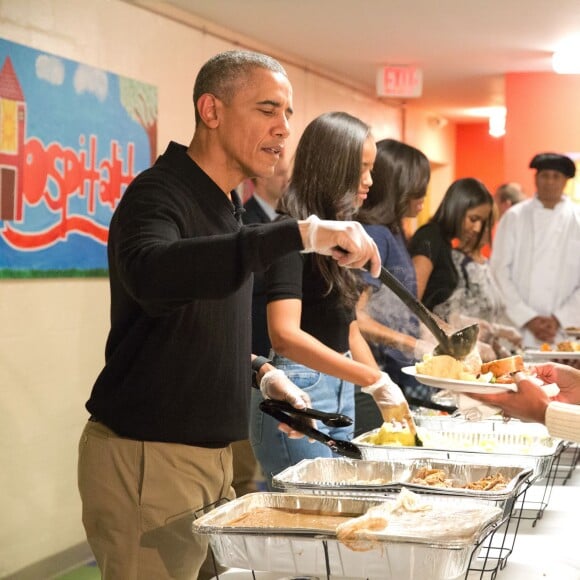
pixel 458 345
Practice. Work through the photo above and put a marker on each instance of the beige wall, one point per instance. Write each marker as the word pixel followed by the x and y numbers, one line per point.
pixel 53 331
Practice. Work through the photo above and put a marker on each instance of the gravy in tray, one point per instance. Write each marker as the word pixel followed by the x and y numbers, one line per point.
pixel 267 517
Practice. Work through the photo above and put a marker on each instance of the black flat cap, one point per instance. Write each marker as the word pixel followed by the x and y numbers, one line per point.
pixel 554 161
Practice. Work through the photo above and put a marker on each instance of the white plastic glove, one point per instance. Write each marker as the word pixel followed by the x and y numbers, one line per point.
pixel 423 347
pixel 346 241
pixel 276 385
pixel 385 392
pixel 390 400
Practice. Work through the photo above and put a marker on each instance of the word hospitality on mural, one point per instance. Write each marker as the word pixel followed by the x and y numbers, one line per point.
pixel 72 137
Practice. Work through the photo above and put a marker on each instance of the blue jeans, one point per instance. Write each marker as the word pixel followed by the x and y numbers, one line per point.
pixel 273 449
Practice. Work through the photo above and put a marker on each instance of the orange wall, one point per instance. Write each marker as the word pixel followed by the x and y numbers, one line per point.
pixel 479 155
pixel 543 114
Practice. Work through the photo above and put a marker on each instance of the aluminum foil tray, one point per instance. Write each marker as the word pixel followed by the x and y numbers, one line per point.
pixel 460 440
pixel 399 553
pixel 345 477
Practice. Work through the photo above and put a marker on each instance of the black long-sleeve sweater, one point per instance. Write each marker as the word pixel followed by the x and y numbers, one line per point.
pixel 180 266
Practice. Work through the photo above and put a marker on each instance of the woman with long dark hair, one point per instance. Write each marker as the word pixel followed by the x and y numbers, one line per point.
pixel 400 178
pixel 312 303
pixel 449 280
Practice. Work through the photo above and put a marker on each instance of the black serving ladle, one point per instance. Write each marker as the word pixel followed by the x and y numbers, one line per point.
pixel 458 345
pixel 286 413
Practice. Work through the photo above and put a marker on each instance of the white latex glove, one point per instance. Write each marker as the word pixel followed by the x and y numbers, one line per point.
pixel 385 392
pixel 346 241
pixel 276 385
pixel 423 347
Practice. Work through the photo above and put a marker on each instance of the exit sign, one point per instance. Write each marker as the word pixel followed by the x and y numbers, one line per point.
pixel 403 82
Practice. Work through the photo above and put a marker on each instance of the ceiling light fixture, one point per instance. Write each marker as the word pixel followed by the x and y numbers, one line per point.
pixel 566 59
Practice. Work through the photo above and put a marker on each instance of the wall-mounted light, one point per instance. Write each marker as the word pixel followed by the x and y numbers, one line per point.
pixel 566 59
pixel 497 122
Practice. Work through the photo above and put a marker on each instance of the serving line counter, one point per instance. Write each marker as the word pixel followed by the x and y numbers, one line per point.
pixel 524 454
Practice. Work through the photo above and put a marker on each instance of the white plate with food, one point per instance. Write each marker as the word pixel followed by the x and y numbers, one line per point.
pixel 544 355
pixel 460 386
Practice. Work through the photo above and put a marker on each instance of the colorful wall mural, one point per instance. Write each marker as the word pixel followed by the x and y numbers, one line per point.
pixel 72 137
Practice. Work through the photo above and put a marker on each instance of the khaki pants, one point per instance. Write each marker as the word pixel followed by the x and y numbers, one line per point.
pixel 139 500
pixel 245 467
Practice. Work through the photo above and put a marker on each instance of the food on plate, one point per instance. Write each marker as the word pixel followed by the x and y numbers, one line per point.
pixel 564 346
pixel 503 368
pixel 446 367
pixel 393 434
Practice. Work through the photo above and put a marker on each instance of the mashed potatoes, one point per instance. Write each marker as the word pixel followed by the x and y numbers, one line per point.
pixel 447 367
pixel 390 434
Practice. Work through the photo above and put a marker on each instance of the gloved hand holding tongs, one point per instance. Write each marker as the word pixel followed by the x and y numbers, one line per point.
pixel 290 406
pixel 277 386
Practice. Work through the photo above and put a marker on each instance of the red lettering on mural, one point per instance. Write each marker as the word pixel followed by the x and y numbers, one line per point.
pixel 54 176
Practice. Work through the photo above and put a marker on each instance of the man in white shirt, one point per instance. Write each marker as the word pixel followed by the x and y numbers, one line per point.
pixel 535 257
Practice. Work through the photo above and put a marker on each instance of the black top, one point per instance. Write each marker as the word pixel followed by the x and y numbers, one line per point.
pixel 323 316
pixel 254 214
pixel 180 266
pixel 429 242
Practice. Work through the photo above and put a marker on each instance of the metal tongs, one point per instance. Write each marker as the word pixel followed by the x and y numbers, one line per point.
pixel 286 413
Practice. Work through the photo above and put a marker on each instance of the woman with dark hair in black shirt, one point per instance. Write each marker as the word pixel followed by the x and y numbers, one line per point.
pixel 311 303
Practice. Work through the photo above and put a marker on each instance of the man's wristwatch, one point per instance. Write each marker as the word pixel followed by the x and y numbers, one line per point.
pixel 257 364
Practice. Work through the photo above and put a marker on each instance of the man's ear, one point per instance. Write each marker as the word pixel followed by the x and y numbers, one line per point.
pixel 207 108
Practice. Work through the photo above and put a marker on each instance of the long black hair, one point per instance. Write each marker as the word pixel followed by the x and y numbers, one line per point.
pixel 325 181
pixel 400 173
pixel 462 195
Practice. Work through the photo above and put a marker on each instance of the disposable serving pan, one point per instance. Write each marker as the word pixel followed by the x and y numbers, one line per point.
pixel 376 479
pixel 399 554
pixel 512 443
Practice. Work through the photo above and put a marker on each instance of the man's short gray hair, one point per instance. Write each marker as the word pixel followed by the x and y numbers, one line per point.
pixel 221 74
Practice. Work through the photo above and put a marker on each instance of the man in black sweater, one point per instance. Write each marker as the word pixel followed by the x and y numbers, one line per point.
pixel 173 393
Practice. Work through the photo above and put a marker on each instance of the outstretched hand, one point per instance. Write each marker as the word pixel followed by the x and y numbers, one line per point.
pixel 566 377
pixel 530 401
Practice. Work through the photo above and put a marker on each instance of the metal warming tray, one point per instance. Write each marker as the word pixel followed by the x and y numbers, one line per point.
pixel 512 443
pixel 399 553
pixel 376 479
